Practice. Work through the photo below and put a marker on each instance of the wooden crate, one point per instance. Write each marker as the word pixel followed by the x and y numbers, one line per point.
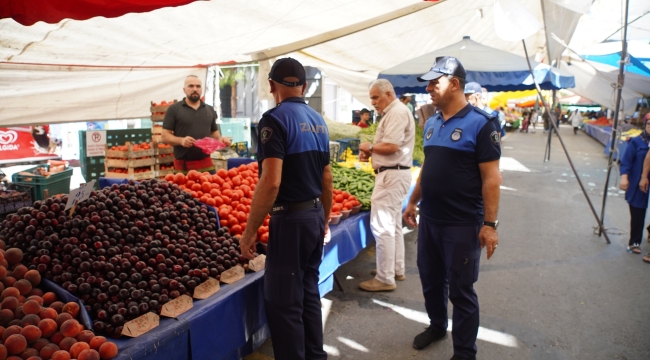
pixel 131 175
pixel 156 130
pixel 159 109
pixel 165 160
pixel 130 163
pixel 129 154
pixel 162 173
pixel 163 151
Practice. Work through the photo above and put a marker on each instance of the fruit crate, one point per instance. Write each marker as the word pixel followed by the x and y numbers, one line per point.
pixel 92 168
pixel 352 144
pixel 131 174
pixel 130 163
pixel 15 197
pixel 164 150
pixel 156 111
pixel 161 173
pixel 165 159
pixel 335 147
pixel 44 187
pixel 129 154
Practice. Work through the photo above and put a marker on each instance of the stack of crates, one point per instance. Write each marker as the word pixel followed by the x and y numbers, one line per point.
pixel 164 160
pixel 92 168
pixel 352 144
pixel 44 187
pixel 158 112
pixel 135 164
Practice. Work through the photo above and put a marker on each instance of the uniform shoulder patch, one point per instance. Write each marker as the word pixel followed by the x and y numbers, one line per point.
pixel 496 139
pixel 484 113
pixel 265 134
pixel 429 133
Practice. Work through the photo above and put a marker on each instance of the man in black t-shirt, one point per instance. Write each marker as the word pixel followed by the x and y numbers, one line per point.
pixel 187 121
pixel 296 188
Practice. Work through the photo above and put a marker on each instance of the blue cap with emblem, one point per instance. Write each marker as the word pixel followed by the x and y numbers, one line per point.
pixel 472 88
pixel 287 68
pixel 444 65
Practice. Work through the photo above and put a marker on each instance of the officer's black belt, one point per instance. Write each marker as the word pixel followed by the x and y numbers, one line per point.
pixel 396 167
pixel 282 208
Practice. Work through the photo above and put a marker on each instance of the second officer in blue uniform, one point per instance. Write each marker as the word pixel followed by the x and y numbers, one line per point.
pixel 295 187
pixel 459 192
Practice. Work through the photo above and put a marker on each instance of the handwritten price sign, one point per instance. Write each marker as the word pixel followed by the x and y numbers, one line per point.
pixel 78 195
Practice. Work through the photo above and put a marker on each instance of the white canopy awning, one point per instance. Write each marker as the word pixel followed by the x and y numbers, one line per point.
pixel 152 52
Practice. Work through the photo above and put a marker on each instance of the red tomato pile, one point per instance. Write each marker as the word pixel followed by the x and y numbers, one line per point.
pixel 231 192
pixel 343 200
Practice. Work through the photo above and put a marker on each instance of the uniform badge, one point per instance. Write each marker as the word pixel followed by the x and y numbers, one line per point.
pixel 494 136
pixel 429 133
pixel 265 134
pixel 455 136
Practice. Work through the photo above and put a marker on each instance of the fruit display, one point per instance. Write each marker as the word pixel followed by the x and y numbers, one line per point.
pixel 125 251
pixel 130 161
pixel 35 325
pixel 134 147
pixel 138 170
pixel 230 192
pixel 356 182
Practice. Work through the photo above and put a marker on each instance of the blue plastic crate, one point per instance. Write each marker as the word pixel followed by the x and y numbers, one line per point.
pixel 352 144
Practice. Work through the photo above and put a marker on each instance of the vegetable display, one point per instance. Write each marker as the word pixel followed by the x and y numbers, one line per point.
pixel 356 182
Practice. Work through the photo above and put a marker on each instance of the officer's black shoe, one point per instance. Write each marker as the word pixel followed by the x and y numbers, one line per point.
pixel 425 338
pixel 456 357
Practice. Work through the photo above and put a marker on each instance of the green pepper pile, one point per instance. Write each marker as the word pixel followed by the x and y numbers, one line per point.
pixel 356 182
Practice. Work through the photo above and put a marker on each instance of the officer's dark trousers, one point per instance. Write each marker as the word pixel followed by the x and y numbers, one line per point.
pixel 292 301
pixel 448 260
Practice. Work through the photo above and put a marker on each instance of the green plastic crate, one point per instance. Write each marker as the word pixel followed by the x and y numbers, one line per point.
pixel 92 168
pixel 42 187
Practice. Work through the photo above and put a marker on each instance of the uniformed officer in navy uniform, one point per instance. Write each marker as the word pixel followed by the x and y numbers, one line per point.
pixel 295 187
pixel 458 192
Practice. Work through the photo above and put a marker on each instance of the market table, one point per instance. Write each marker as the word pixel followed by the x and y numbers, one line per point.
pixel 601 134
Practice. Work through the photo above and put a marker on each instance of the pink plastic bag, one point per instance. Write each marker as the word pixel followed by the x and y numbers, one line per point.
pixel 209 145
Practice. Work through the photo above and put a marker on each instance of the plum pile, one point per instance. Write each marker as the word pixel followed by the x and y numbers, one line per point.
pixel 127 250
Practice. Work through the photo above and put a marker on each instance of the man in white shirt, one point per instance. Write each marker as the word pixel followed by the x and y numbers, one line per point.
pixel 392 157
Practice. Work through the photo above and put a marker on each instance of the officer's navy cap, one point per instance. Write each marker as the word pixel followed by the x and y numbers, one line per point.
pixel 473 88
pixel 444 65
pixel 286 68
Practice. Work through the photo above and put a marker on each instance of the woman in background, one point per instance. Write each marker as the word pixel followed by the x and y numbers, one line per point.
pixel 631 168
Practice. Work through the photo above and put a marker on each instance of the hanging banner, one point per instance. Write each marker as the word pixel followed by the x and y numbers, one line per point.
pixel 26 143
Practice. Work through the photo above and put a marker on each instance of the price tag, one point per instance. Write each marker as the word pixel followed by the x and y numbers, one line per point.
pixel 177 306
pixel 232 275
pixel 141 325
pixel 78 195
pixel 258 263
pixel 206 289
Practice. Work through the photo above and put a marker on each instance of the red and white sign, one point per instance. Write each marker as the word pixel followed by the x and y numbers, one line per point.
pixel 95 143
pixel 25 143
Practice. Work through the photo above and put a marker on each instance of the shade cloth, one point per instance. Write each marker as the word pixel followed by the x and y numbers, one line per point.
pixel 493 69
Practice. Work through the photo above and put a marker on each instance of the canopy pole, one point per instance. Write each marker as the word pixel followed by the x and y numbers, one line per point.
pixel 566 152
pixel 614 138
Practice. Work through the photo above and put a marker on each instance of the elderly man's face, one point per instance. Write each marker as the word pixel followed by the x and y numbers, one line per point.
pixel 192 89
pixel 379 100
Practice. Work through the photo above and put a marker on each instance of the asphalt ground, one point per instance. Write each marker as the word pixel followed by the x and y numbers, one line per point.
pixel 552 290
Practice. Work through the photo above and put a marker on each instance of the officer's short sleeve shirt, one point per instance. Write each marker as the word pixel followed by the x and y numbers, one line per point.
pixel 451 179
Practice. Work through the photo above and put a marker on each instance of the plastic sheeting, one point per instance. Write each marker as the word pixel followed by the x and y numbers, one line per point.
pixel 494 69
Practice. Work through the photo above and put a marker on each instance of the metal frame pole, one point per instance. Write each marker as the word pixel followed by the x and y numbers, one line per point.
pixel 566 152
pixel 612 142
